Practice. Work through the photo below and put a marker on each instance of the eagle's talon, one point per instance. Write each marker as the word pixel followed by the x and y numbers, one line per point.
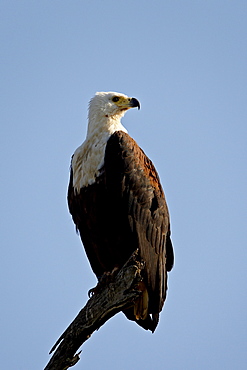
pixel 91 292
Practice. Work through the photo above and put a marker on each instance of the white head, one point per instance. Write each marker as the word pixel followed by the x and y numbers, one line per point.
pixel 107 109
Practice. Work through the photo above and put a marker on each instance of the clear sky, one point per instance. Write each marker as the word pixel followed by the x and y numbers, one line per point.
pixel 185 61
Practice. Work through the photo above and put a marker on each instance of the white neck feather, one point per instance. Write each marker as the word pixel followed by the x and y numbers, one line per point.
pixel 106 124
pixel 88 159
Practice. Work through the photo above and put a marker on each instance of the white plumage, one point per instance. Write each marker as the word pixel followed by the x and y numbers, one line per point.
pixel 88 159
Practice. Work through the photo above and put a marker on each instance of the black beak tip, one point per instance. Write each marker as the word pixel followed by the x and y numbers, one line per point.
pixel 135 103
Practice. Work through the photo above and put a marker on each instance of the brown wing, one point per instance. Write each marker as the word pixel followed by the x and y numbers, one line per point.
pixel 134 184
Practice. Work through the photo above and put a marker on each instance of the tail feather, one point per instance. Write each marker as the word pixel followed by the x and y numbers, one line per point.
pixel 139 311
pixel 141 304
pixel 150 323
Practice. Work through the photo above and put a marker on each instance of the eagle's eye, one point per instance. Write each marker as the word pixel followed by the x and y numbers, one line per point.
pixel 115 99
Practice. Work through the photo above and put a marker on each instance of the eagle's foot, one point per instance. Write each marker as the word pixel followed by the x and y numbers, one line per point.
pixel 107 278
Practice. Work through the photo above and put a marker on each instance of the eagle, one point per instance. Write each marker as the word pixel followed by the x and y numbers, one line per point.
pixel 118 205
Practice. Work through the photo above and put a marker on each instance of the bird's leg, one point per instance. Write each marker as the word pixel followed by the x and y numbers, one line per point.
pixel 104 280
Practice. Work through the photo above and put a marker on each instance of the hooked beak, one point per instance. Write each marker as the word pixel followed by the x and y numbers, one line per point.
pixel 134 103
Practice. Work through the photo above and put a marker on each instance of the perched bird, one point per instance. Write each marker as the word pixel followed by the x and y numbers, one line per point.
pixel 118 205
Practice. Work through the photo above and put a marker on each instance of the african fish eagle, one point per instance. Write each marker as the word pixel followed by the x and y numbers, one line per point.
pixel 118 205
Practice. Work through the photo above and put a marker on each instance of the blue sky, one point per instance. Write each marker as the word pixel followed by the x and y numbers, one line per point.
pixel 185 61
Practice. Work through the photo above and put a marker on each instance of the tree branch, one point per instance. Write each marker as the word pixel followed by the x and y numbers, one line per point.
pixel 115 297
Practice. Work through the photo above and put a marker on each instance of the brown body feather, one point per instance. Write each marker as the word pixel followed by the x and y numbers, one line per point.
pixel 123 210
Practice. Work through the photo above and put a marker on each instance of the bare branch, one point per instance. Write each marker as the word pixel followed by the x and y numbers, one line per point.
pixel 116 296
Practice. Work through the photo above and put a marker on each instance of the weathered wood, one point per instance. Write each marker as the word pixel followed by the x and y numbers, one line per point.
pixel 116 296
